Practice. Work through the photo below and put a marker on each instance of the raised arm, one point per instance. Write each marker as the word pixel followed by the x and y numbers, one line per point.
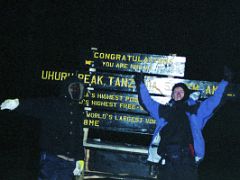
pixel 145 100
pixel 206 108
pixel 32 107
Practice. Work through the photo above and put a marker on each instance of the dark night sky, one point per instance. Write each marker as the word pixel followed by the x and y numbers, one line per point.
pixel 40 33
pixel 36 34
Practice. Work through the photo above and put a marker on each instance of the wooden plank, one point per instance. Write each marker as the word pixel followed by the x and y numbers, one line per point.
pixel 135 62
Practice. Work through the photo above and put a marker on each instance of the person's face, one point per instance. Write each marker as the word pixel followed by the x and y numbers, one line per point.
pixel 75 91
pixel 178 94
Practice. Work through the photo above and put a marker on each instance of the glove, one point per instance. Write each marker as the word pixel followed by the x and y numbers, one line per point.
pixel 139 78
pixel 79 168
pixel 198 160
pixel 228 74
pixel 10 104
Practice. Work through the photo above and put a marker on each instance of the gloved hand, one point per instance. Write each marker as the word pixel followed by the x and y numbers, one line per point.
pixel 139 78
pixel 10 104
pixel 228 74
pixel 198 160
pixel 79 168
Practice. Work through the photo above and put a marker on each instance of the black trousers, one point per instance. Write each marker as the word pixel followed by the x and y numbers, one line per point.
pixel 55 168
pixel 183 168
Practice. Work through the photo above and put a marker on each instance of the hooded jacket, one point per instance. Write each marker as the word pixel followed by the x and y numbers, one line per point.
pixel 198 118
pixel 61 119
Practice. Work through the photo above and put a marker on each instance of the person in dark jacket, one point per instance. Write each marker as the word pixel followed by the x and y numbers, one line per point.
pixel 178 144
pixel 61 137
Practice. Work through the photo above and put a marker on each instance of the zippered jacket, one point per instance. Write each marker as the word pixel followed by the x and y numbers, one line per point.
pixel 197 119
